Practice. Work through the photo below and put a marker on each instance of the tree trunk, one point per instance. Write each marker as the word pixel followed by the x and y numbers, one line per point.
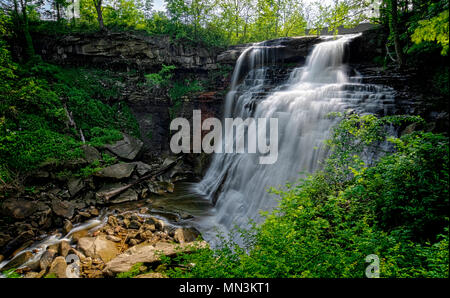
pixel 58 12
pixel 393 27
pixel 98 8
pixel 26 31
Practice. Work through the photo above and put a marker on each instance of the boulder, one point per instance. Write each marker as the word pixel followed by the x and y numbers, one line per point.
pixel 91 154
pixel 142 168
pixel 117 171
pixel 58 267
pixel 126 196
pixel 67 226
pixel 47 259
pixel 17 242
pixel 18 261
pixel 63 208
pixel 183 235
pixel 18 208
pixel 146 253
pixel 75 185
pixel 64 248
pixel 98 247
pixel 128 148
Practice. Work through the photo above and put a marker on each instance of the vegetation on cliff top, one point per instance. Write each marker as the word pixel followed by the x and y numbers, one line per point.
pixel 46 112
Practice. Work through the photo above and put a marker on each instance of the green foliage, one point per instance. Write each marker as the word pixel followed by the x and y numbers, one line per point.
pixel 11 273
pixel 25 150
pixel 326 226
pixel 434 30
pixel 38 99
pixel 178 91
pixel 162 78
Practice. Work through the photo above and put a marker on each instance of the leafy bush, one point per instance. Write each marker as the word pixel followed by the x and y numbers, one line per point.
pixel 326 226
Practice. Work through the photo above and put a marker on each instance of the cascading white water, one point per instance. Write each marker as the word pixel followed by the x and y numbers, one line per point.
pixel 236 183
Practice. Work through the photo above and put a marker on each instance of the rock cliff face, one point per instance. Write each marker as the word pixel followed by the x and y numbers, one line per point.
pixel 125 51
pixel 131 51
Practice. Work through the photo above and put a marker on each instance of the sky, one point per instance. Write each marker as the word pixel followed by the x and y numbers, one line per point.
pixel 159 5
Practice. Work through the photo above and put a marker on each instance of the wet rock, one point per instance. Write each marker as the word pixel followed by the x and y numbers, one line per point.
pixel 18 260
pixel 91 154
pixel 47 259
pixel 128 148
pixel 117 171
pixel 98 247
pixel 160 187
pixel 145 253
pixel 64 248
pixel 17 242
pixel 1 258
pixel 75 185
pixel 63 208
pixel 58 267
pixel 67 226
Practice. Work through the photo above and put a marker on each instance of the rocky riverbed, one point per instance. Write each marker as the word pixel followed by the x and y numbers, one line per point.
pixel 111 217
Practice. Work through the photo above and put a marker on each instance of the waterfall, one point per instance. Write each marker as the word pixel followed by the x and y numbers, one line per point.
pixel 237 183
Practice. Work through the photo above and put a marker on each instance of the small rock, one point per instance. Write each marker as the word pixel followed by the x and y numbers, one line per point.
pixel 133 242
pixel 113 238
pixel 84 214
pixel 75 185
pixel 64 248
pixel 18 260
pixel 91 154
pixel 67 226
pixel 134 224
pixel 58 267
pixel 128 148
pixel 94 212
pixel 117 171
pixel 128 196
pixel 142 168
pixel 183 235
pixel 47 259
pixel 98 247
pixel 63 208
pixel 32 274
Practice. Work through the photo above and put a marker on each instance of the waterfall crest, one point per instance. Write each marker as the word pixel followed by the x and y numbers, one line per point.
pixel 236 183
